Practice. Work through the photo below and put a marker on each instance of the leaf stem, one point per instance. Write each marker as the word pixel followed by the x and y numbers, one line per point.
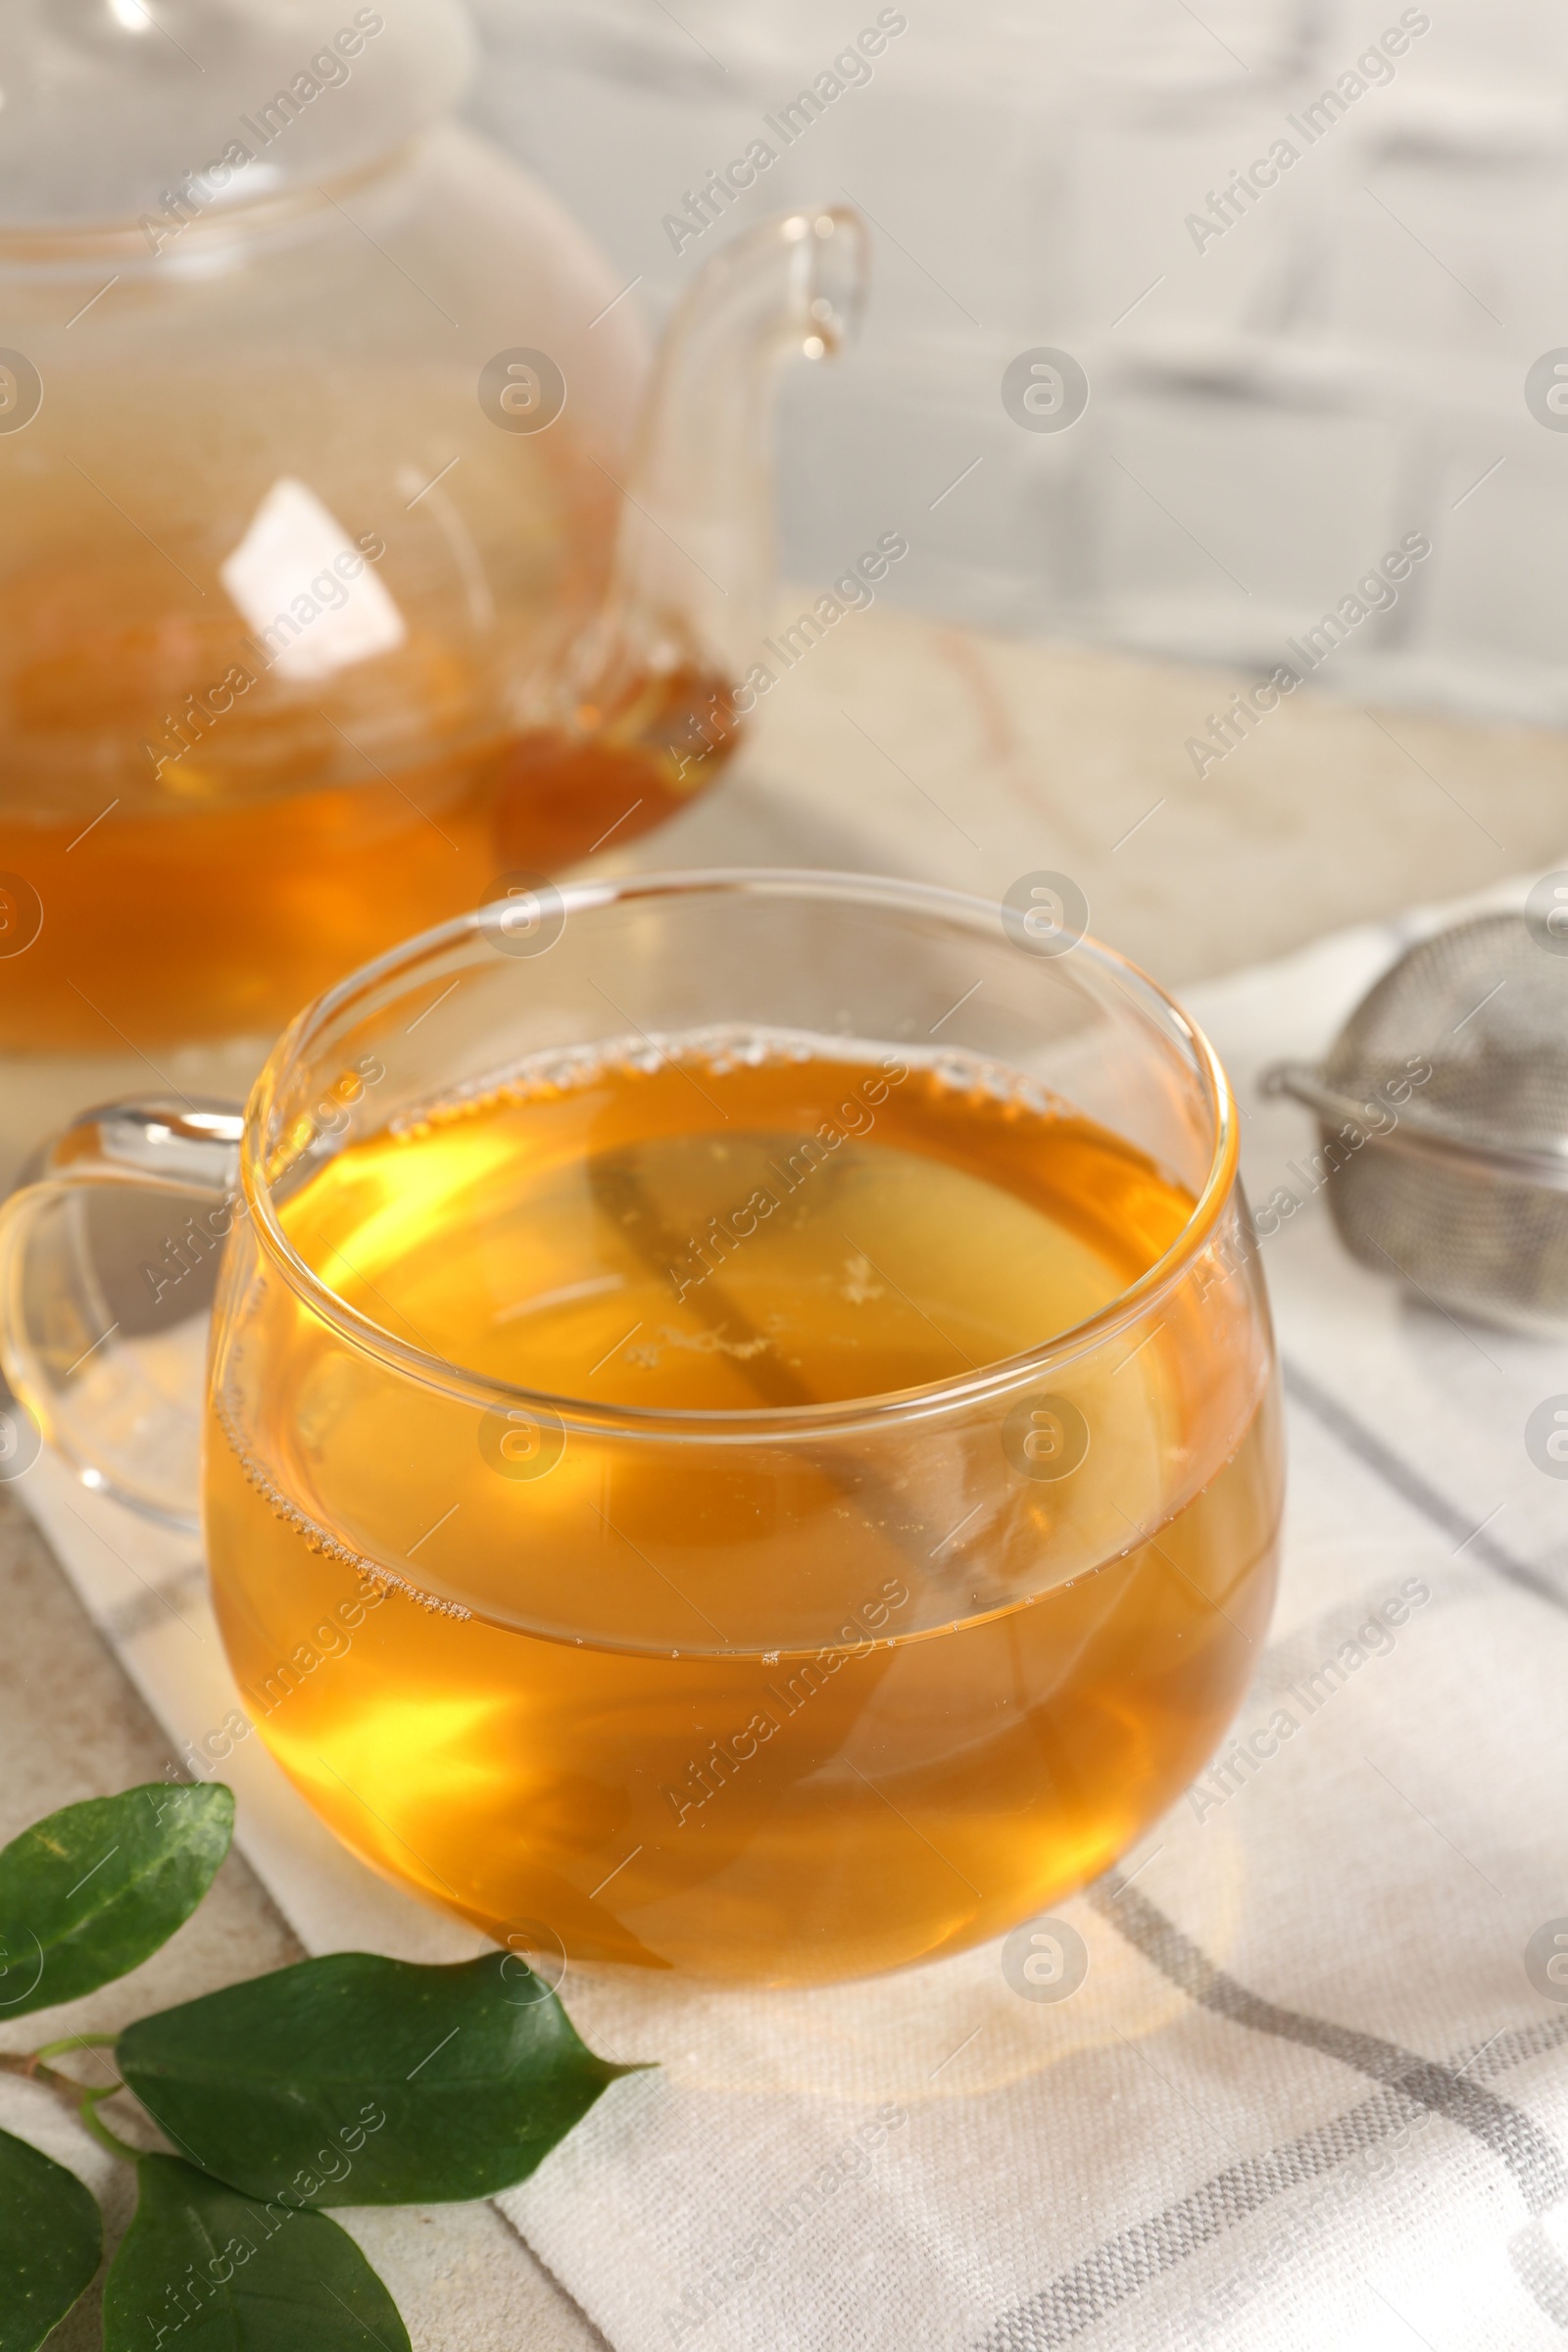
pixel 82 2097
pixel 29 2064
pixel 76 2042
pixel 94 2121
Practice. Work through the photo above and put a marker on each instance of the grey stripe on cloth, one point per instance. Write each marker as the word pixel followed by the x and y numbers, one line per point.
pixel 1540 2267
pixel 1380 1458
pixel 1513 2136
pixel 1124 2265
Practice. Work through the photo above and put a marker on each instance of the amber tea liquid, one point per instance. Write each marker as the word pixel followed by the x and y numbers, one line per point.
pixel 191 847
pixel 763 1715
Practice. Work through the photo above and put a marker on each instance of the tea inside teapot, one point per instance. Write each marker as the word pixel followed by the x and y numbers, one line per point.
pixel 355 562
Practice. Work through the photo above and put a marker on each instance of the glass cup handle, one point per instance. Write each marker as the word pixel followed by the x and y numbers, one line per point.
pixel 108 1251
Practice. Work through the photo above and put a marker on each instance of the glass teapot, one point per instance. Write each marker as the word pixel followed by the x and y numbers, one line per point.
pixel 355 562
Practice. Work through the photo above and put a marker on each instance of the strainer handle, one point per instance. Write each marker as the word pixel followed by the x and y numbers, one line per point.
pixel 1408 1132
pixel 1305 1084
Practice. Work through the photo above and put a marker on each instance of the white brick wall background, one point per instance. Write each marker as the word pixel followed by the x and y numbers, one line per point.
pixel 1267 415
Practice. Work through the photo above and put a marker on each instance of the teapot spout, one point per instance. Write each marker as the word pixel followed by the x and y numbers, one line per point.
pixel 694 561
pixel 645 706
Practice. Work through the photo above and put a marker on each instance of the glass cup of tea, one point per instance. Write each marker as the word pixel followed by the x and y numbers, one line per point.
pixel 739 1431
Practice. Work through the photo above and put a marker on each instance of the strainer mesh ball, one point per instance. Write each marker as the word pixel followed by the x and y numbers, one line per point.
pixel 1469 1201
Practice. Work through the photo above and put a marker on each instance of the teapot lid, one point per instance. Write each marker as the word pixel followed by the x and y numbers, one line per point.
pixel 108 107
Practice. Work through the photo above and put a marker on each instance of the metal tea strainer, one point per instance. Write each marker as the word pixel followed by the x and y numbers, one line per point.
pixel 1457 1181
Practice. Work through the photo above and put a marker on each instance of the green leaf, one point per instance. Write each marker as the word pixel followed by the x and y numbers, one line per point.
pixel 208 2271
pixel 51 2236
pixel 89 1892
pixel 357 2080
